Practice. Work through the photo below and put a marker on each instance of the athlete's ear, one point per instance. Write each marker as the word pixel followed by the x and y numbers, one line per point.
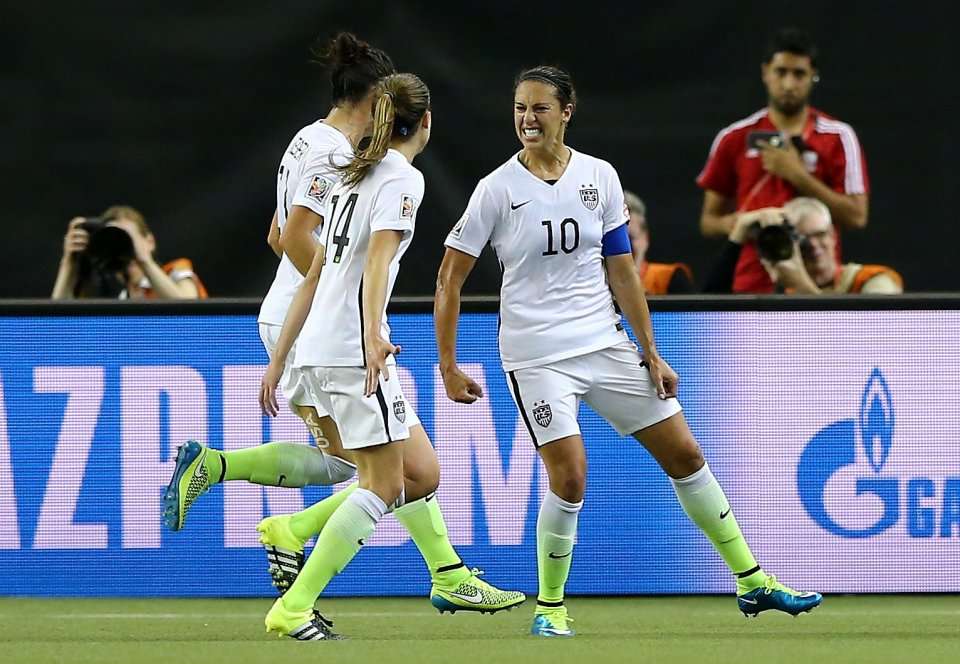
pixel 427 120
pixel 567 113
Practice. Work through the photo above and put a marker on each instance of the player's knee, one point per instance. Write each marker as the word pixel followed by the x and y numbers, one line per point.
pixel 388 489
pixel 687 460
pixel 570 484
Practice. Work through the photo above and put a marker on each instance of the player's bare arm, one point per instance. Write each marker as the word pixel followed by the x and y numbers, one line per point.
pixel 717 216
pixel 383 247
pixel 454 269
pixel 273 236
pixel 296 238
pixel 292 324
pixel 628 289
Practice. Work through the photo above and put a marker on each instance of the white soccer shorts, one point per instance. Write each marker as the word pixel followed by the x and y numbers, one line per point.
pixel 613 381
pixel 291 381
pixel 383 417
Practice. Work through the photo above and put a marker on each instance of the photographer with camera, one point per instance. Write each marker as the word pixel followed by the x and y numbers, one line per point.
pixel 785 150
pixel 797 246
pixel 111 256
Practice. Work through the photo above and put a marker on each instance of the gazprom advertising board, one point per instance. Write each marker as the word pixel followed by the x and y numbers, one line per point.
pixel 836 435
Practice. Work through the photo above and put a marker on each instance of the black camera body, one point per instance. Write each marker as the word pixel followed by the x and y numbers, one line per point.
pixel 110 247
pixel 103 271
pixel 775 242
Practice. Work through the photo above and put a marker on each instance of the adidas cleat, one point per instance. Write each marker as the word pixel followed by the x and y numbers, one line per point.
pixel 302 626
pixel 551 621
pixel 774 595
pixel 284 551
pixel 474 594
pixel 190 481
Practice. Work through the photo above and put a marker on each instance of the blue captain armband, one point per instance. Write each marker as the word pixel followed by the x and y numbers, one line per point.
pixel 616 242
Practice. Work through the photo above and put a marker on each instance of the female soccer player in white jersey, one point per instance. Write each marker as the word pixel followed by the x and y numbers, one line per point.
pixel 346 359
pixel 557 221
pixel 304 180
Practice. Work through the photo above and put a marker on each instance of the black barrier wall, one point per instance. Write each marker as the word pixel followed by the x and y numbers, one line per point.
pixel 184 111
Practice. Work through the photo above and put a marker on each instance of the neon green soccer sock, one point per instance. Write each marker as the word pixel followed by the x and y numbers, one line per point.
pixel 556 533
pixel 339 541
pixel 424 521
pixel 704 502
pixel 309 522
pixel 278 464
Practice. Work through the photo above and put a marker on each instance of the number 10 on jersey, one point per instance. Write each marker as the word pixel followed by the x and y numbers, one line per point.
pixel 569 236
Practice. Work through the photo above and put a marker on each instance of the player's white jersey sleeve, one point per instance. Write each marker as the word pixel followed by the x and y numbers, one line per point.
pixel 472 232
pixel 315 182
pixel 615 212
pixel 398 200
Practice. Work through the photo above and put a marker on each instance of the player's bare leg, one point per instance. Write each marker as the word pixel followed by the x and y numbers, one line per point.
pixel 672 444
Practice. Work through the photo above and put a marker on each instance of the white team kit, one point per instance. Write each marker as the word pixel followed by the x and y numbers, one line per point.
pixel 330 351
pixel 561 339
pixel 305 178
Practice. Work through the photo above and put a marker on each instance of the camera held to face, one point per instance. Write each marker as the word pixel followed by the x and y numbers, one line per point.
pixel 107 258
pixel 775 242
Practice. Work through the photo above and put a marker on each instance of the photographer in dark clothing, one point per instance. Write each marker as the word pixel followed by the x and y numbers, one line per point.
pixel 111 256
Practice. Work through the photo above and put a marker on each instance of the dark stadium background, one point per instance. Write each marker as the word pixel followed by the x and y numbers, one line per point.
pixel 183 111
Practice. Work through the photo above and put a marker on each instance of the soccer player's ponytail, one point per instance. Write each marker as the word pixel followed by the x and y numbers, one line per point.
pixel 401 102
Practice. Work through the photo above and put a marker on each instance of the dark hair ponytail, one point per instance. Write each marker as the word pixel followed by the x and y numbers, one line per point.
pixel 354 65
pixel 401 102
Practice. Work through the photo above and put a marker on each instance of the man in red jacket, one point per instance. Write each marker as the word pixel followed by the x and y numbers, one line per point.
pixel 785 150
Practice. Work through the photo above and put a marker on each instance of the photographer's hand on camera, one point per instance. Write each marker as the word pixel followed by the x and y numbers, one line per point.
pixel 791 275
pixel 745 221
pixel 163 286
pixel 75 242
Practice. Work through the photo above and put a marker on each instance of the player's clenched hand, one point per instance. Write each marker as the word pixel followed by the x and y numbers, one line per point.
pixel 268 389
pixel 376 353
pixel 664 378
pixel 460 387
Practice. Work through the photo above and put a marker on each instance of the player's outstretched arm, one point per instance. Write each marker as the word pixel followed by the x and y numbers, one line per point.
pixel 628 289
pixel 454 269
pixel 383 247
pixel 292 324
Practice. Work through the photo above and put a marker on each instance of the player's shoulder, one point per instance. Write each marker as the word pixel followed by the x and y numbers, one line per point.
pixel 589 161
pixel 394 169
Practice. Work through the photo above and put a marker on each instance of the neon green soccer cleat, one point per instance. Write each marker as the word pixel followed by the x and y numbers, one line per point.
pixel 302 626
pixel 190 481
pixel 551 621
pixel 284 551
pixel 474 594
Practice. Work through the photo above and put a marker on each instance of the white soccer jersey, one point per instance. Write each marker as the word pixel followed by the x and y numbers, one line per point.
pixel 386 199
pixel 305 178
pixel 554 302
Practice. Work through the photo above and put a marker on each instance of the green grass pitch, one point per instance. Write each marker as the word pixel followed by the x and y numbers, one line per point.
pixel 675 630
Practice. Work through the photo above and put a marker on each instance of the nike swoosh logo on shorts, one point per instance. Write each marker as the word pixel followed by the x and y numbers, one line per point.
pixel 476 598
pixel 518 205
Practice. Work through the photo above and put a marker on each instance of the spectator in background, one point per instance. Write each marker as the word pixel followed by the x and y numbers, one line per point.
pixel 813 267
pixel 112 256
pixel 785 150
pixel 658 278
